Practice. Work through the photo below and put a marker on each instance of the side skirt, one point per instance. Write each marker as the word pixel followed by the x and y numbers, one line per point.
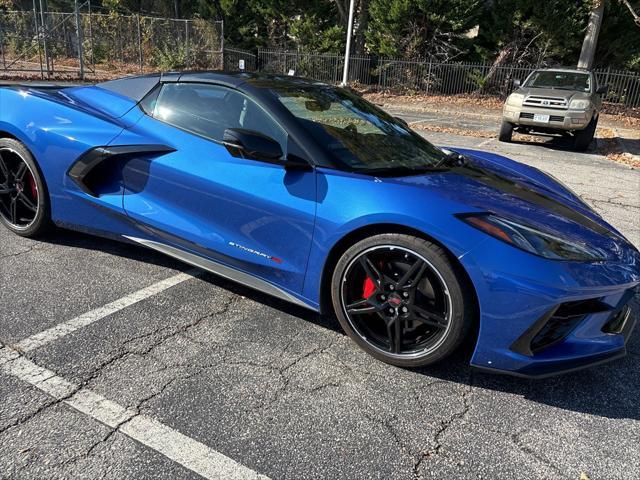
pixel 222 270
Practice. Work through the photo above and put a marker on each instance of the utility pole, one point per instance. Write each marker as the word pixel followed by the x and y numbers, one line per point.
pixel 345 72
pixel 588 53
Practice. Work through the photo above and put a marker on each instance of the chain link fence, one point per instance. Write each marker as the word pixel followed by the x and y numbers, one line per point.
pixel 90 45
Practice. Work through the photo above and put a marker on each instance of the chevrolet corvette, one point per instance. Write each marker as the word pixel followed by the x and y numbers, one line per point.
pixel 311 194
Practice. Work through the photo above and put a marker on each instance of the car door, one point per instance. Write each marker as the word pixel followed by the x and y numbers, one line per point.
pixel 252 215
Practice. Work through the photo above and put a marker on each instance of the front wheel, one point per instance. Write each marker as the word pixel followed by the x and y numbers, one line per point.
pixel 506 132
pixel 402 300
pixel 24 206
pixel 583 138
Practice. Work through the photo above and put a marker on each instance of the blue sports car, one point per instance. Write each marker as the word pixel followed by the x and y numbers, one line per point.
pixel 307 192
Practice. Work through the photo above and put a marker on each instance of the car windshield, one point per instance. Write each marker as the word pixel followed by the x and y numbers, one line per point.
pixel 357 134
pixel 560 80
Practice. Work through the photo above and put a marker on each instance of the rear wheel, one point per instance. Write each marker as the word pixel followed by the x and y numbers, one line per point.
pixel 401 300
pixel 24 206
pixel 506 132
pixel 583 138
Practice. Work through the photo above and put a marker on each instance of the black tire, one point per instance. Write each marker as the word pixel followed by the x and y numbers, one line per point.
pixel 583 138
pixel 28 222
pixel 506 132
pixel 438 341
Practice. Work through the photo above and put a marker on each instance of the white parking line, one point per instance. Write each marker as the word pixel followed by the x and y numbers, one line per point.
pixel 184 450
pixel 86 319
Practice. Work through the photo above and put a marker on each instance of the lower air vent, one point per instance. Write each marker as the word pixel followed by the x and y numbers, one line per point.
pixel 618 322
pixel 621 320
pixel 556 325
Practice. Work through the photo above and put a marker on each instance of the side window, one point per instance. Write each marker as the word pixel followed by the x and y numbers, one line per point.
pixel 208 110
pixel 148 103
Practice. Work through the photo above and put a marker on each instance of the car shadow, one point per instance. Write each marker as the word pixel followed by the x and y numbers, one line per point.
pixel 553 142
pixel 610 390
pixel 122 249
pixel 601 145
pixel 632 145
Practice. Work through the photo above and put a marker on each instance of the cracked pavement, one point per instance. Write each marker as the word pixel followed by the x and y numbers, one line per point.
pixel 282 390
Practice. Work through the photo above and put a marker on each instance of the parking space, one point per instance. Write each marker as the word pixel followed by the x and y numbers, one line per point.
pixel 192 376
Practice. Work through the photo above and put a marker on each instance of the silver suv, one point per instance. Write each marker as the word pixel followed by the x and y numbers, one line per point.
pixel 555 101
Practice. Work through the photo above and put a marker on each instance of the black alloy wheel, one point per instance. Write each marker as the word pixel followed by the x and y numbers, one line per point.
pixel 23 206
pixel 401 301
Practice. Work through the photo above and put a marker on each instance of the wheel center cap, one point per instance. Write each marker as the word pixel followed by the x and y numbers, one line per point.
pixel 19 187
pixel 394 300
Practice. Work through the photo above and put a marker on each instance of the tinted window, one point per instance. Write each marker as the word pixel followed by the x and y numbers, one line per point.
pixel 208 110
pixel 357 134
pixel 148 103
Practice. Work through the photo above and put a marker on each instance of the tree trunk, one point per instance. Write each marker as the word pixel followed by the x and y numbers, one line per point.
pixel 588 53
pixel 363 22
pixel 342 11
pixel 503 56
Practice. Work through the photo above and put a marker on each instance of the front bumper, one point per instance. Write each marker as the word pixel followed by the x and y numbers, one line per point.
pixel 516 306
pixel 558 119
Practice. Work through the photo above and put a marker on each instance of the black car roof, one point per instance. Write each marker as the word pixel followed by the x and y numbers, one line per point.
pixel 136 87
pixel 133 87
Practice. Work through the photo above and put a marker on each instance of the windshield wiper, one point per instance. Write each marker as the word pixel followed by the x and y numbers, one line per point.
pixel 397 171
pixel 452 159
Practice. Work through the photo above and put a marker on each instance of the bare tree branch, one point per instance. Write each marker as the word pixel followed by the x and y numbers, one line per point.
pixel 636 17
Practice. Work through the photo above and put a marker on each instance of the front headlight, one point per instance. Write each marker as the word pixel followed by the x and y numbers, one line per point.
pixel 579 104
pixel 531 239
pixel 515 99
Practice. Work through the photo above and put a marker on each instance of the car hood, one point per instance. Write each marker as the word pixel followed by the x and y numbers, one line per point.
pixel 496 184
pixel 554 92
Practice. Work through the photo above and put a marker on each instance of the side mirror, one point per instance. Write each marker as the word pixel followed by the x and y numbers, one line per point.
pixel 602 89
pixel 253 144
pixel 517 83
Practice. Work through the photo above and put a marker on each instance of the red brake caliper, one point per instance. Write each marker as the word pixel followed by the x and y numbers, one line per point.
pixel 369 288
pixel 33 186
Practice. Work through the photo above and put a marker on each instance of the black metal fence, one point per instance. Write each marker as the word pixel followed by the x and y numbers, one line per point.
pixel 321 67
pixel 428 77
pixel 88 45
pixel 235 59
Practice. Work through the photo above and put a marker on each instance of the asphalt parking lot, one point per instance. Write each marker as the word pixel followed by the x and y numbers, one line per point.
pixel 126 364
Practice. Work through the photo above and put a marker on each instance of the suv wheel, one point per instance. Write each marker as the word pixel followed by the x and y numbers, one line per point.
pixel 401 299
pixel 583 138
pixel 506 132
